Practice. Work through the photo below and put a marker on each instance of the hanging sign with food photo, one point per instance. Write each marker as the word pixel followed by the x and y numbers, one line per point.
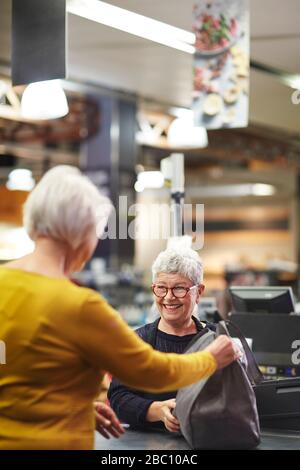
pixel 221 63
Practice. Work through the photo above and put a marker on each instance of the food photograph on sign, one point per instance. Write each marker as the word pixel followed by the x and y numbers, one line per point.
pixel 221 63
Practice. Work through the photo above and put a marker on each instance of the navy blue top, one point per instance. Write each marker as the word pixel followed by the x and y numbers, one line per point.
pixel 131 406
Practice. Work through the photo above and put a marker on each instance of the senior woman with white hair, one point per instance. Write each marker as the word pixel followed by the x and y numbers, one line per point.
pixel 60 338
pixel 177 286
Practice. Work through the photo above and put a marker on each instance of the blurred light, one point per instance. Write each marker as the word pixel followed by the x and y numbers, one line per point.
pixel 14 243
pixel 133 23
pixel 183 134
pixel 260 189
pixel 181 112
pixel 292 81
pixel 138 187
pixel 146 137
pixel 44 100
pixel 216 172
pixel 231 190
pixel 151 179
pixel 20 180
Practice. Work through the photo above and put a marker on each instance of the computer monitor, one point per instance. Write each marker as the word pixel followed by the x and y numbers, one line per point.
pixel 257 299
pixel 272 336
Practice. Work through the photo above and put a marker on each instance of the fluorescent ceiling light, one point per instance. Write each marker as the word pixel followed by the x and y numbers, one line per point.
pixel 231 190
pixel 144 27
pixel 44 100
pixel 133 23
pixel 260 189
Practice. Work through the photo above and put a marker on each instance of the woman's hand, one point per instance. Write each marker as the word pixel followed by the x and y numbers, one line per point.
pixel 224 350
pixel 107 422
pixel 162 411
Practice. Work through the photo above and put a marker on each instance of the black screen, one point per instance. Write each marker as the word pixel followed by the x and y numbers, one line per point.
pixel 262 299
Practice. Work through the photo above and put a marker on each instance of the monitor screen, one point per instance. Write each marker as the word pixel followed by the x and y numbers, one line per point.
pixel 270 299
pixel 272 336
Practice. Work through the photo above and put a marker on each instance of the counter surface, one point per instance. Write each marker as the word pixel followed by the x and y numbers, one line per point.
pixel 136 440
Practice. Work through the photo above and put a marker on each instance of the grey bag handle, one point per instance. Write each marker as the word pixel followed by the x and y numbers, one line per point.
pixel 253 371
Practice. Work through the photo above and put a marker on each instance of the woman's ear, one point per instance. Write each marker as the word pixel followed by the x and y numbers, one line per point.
pixel 201 289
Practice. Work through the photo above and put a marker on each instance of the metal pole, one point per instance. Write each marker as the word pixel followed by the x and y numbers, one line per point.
pixel 177 193
pixel 177 213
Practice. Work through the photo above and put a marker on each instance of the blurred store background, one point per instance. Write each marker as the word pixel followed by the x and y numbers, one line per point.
pixel 124 93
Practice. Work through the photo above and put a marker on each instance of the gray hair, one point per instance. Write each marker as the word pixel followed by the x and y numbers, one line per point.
pixel 66 205
pixel 184 261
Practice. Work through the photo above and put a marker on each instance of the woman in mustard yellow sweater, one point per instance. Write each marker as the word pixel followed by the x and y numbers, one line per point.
pixel 60 338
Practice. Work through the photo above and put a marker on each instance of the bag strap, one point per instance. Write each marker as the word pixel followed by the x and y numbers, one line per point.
pixel 153 332
pixel 253 371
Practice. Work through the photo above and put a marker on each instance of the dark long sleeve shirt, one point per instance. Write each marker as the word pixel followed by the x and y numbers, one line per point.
pixel 131 406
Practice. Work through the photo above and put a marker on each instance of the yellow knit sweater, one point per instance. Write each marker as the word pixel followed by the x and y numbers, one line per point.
pixel 59 339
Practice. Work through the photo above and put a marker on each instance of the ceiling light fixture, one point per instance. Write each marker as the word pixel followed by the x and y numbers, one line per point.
pixel 183 133
pixel 20 179
pixel 44 100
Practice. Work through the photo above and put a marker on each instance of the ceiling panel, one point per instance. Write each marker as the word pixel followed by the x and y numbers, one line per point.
pixel 283 53
pixel 268 17
pixel 119 60
pixel 270 103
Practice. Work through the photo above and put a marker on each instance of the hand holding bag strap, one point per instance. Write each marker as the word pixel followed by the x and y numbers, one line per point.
pixel 253 371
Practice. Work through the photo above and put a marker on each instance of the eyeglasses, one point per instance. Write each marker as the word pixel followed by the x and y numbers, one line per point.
pixel 179 292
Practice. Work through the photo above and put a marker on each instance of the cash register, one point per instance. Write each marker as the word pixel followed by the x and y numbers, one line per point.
pixel 266 315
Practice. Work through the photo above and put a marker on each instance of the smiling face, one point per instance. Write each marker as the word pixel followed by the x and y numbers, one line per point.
pixel 176 311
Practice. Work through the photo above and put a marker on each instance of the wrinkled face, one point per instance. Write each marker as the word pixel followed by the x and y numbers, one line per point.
pixel 172 309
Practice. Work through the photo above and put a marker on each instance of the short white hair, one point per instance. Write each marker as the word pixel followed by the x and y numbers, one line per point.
pixel 184 261
pixel 67 206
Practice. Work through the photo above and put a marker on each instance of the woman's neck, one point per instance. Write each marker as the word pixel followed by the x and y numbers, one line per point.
pixel 179 329
pixel 48 258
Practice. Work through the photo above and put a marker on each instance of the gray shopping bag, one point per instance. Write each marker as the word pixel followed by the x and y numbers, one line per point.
pixel 220 412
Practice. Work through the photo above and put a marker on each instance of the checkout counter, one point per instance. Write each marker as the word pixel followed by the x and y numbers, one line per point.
pixel 272 335
pixel 139 440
